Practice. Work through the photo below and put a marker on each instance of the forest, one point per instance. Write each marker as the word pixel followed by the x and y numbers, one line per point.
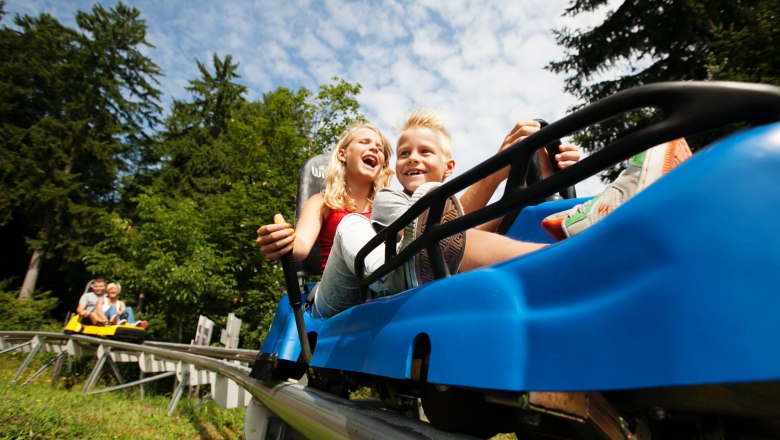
pixel 97 179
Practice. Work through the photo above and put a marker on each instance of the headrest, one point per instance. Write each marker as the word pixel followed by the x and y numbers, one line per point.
pixel 311 180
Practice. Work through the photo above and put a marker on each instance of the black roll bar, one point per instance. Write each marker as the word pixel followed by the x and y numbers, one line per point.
pixel 687 108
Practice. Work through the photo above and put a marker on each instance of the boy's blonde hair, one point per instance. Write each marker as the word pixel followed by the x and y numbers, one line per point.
pixel 432 120
pixel 335 195
pixel 114 286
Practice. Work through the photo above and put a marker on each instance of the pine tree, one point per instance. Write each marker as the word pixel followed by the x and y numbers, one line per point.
pixel 73 108
pixel 664 40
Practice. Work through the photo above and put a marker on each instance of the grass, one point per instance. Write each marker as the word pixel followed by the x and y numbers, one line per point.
pixel 39 410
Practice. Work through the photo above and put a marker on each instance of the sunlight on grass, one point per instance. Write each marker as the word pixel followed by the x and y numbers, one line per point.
pixel 42 411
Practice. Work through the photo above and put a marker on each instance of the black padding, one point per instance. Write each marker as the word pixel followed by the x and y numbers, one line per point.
pixel 311 180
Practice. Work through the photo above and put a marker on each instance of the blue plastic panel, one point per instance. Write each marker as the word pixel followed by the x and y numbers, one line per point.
pixel 676 287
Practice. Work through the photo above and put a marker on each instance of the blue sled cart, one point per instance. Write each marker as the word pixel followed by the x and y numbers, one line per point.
pixel 664 323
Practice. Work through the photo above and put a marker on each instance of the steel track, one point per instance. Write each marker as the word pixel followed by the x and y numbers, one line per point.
pixel 313 413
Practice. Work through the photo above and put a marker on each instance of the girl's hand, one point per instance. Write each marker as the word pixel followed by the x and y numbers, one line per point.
pixel 276 239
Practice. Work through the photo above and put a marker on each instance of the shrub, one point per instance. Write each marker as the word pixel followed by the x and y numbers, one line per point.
pixel 33 314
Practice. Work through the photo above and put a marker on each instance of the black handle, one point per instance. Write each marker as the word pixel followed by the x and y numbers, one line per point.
pixel 294 296
pixel 552 149
pixel 291 280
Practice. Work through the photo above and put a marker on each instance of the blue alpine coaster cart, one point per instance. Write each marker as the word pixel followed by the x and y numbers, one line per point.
pixel 660 321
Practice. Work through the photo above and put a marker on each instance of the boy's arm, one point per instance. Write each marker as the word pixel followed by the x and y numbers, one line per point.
pixel 389 204
pixel 478 195
pixel 80 309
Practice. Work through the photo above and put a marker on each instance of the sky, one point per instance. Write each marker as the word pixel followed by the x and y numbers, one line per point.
pixel 480 63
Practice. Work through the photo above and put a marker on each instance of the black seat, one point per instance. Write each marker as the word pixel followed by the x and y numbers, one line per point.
pixel 311 180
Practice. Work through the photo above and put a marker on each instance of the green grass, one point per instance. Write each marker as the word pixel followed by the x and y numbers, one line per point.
pixel 39 410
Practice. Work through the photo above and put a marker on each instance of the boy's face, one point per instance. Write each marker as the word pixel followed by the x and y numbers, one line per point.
pixel 421 159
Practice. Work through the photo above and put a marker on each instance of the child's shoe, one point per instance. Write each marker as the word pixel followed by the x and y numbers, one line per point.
pixel 122 321
pixel 141 324
pixel 643 169
pixel 113 319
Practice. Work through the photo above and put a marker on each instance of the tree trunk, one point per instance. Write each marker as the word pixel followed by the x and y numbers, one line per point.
pixel 31 277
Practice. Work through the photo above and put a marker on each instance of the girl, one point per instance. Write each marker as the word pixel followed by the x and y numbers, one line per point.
pixel 114 311
pixel 358 167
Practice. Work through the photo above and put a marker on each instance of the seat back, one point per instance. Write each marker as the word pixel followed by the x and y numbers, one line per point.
pixel 311 180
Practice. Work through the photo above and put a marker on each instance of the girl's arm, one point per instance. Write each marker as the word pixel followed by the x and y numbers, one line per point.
pixel 308 227
pixel 121 307
pixel 277 239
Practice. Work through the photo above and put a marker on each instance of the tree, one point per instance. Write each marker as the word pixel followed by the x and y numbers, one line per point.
pixel 751 51
pixel 73 108
pixel 189 240
pixel 663 40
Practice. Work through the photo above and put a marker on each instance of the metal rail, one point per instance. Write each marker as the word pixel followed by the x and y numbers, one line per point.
pixel 313 413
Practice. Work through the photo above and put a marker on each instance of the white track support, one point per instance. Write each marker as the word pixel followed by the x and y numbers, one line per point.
pixel 229 336
pixel 18 347
pixel 229 394
pixel 203 332
pixel 196 376
pixel 76 349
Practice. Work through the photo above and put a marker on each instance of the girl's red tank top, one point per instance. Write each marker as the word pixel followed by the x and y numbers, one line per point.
pixel 328 231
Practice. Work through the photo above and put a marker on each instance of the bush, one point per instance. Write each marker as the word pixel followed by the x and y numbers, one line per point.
pixel 33 314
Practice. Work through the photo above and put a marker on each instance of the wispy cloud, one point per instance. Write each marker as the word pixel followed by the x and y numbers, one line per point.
pixel 481 62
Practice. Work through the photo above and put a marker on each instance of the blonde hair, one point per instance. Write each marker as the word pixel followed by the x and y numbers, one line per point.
pixel 114 285
pixel 432 120
pixel 335 195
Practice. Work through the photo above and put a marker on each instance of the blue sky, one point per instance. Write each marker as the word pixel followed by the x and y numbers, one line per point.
pixel 480 62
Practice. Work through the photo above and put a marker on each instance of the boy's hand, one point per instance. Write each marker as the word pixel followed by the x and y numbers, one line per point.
pixel 568 156
pixel 276 239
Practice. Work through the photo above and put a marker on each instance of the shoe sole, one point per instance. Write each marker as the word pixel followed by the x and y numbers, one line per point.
pixel 452 248
pixel 661 161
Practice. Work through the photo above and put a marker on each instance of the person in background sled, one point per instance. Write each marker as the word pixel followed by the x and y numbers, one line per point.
pixel 87 308
pixel 114 310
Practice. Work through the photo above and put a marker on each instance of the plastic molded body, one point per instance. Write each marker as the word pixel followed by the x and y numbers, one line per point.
pixel 676 287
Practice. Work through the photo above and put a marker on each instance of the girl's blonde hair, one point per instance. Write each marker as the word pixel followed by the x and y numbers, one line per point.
pixel 114 286
pixel 335 195
pixel 432 120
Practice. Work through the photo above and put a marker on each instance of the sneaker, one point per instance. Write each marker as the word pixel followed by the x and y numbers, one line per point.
pixel 452 247
pixel 122 321
pixel 141 324
pixel 643 169
pixel 113 319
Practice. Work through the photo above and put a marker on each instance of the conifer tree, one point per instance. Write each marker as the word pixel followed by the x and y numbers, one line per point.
pixel 664 40
pixel 73 107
